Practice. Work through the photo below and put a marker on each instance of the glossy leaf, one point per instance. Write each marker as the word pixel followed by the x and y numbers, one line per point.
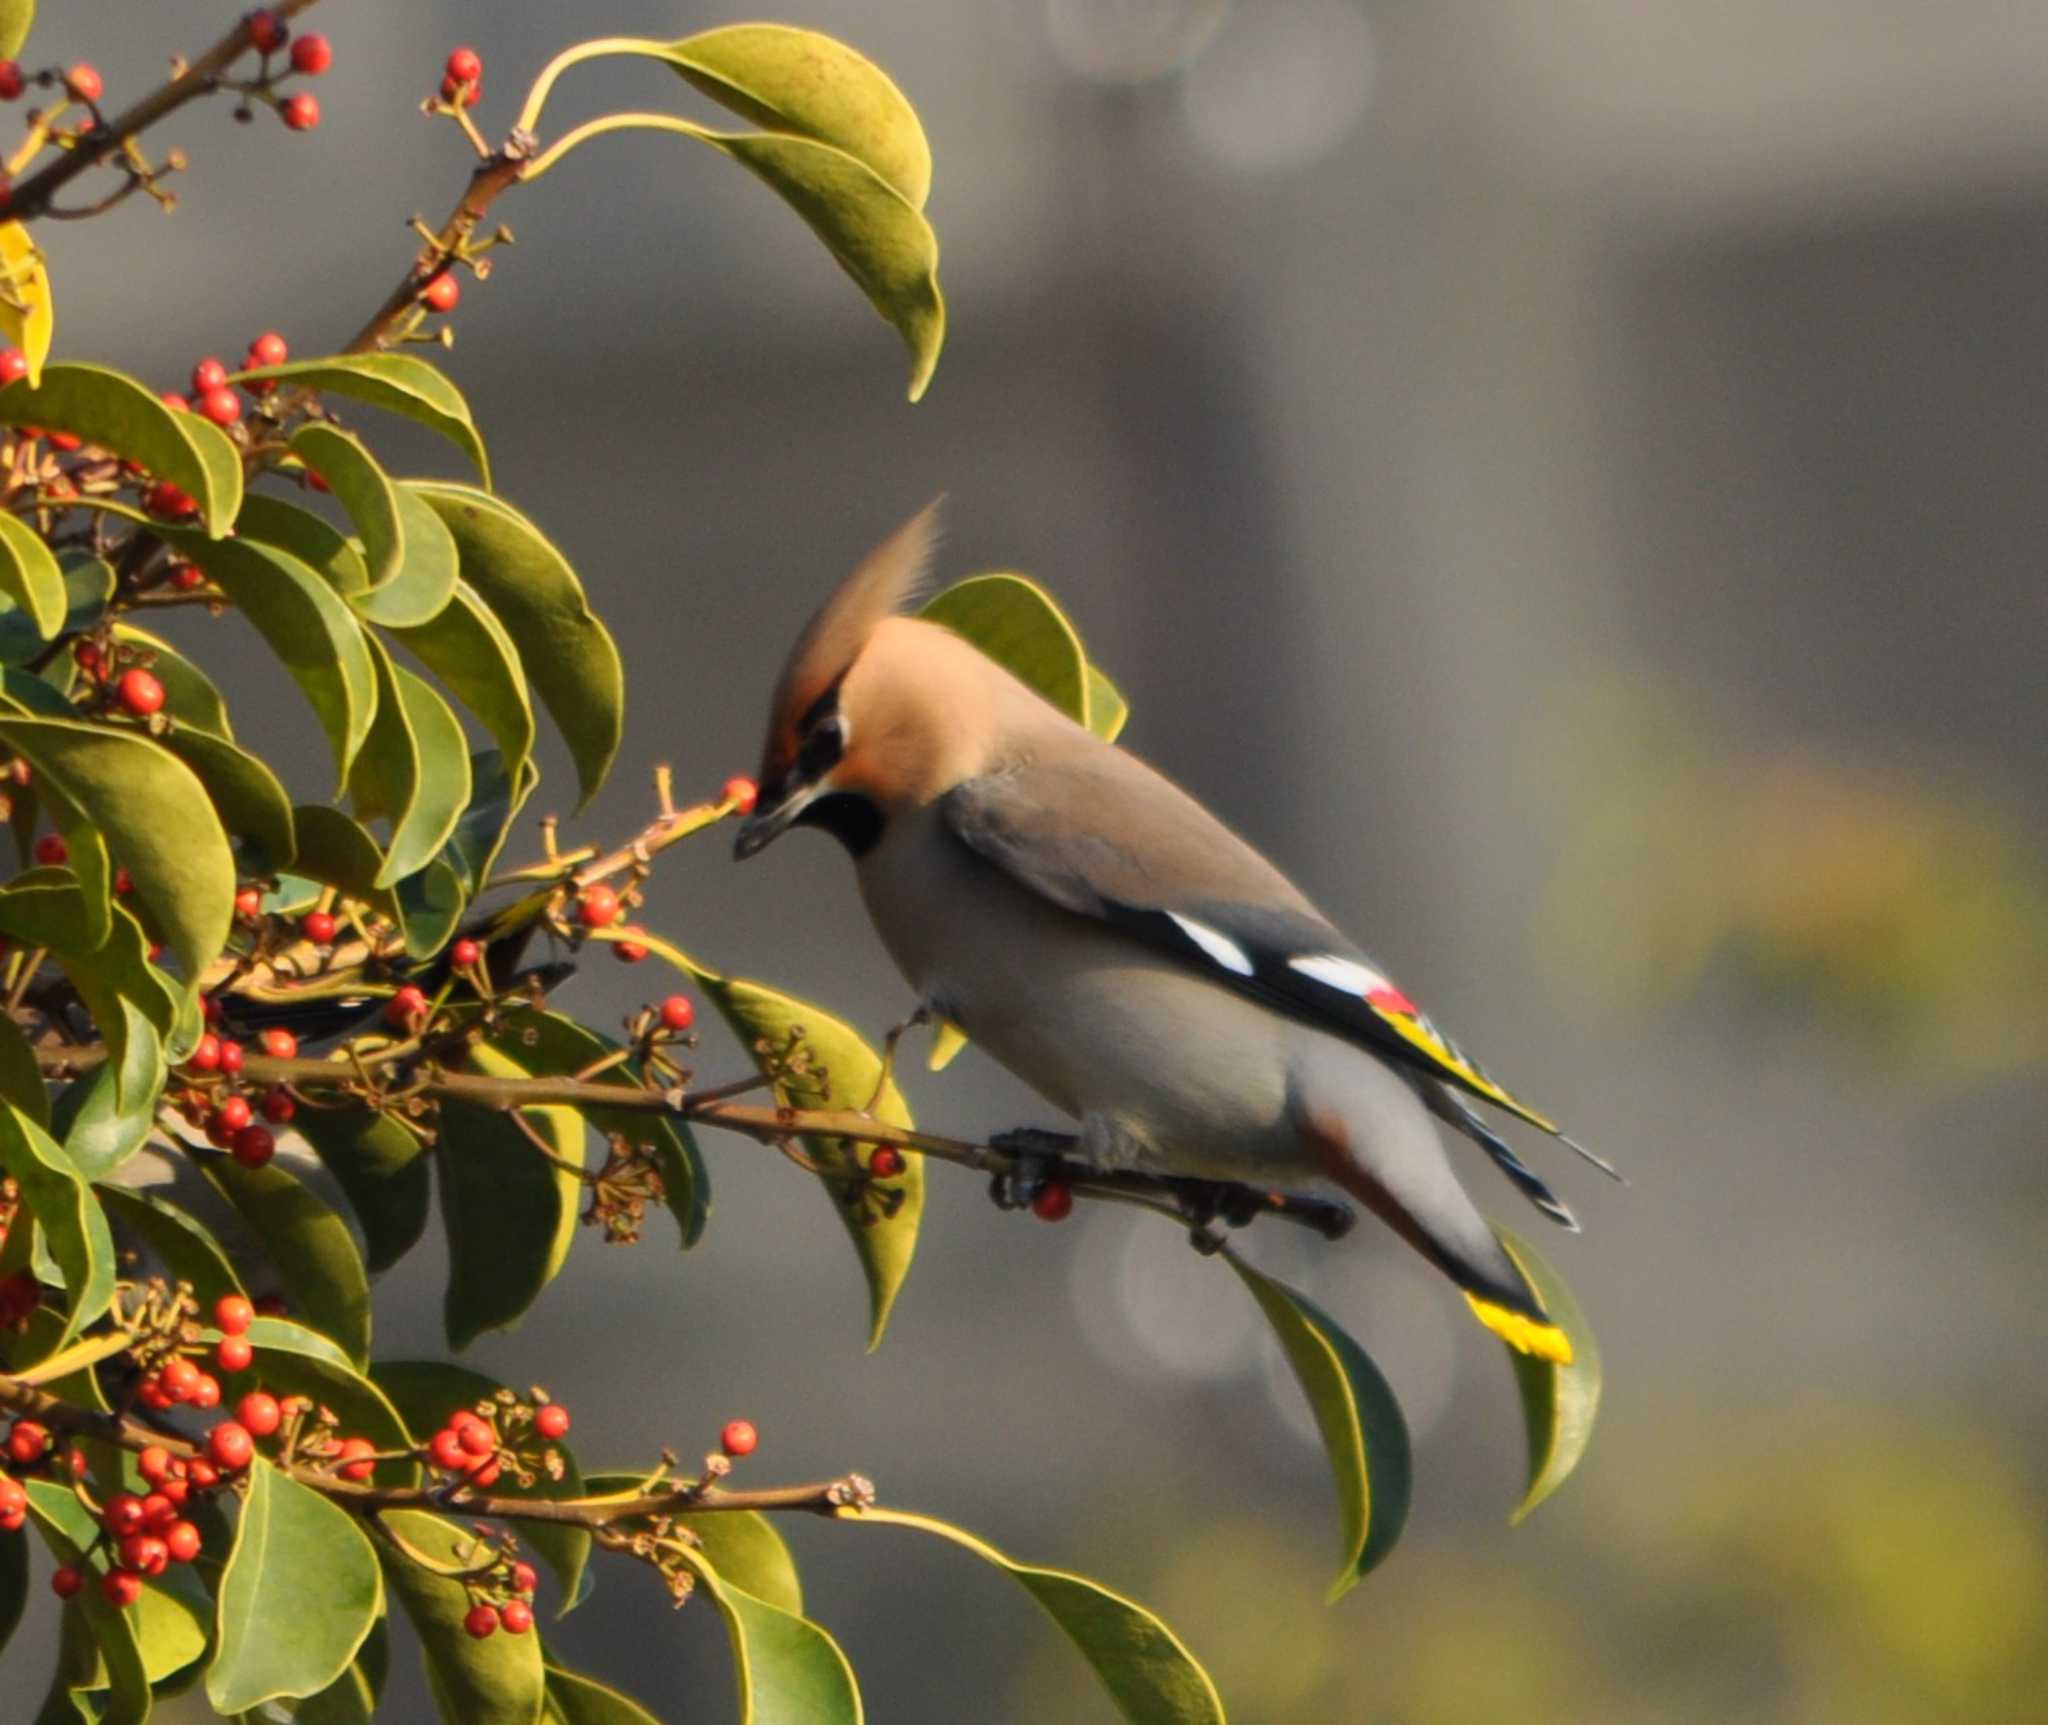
pixel 106 957
pixel 293 1359
pixel 498 1679
pixel 413 769
pixel 1147 1669
pixel 467 648
pixel 68 1214
pixel 509 1214
pixel 426 579
pixel 341 853
pixel 1559 1403
pixel 28 309
pixel 493 806
pixel 88 585
pixel 310 1245
pixel 155 815
pixel 308 627
pixel 789 1669
pixel 30 577
pixel 1107 709
pixel 187 1251
pixel 351 1699
pixel 119 414
pixel 109 1631
pixel 431 903
pixel 790 80
pixel 840 1071
pixel 743 1546
pixel 382 1169
pixel 426 1392
pixel 21 1078
pixel 361 487
pixel 1014 622
pixel 306 536
pixel 190 696
pixel 569 657
pixel 246 795
pixel 574 1699
pixel 27 692
pixel 109 1113
pixel 1363 1432
pixel 398 383
pixel 298 1595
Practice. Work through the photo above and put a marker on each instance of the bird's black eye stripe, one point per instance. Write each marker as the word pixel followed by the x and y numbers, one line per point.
pixel 821 748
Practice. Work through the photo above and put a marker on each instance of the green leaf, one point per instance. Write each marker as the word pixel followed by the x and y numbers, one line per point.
pixel 426 1392
pixel 741 1544
pixel 1363 1431
pixel 309 1244
pixel 115 1107
pixel 468 649
pixel 306 536
pixel 341 853
pixel 1558 1402
pixel 360 486
pixel 156 816
pixel 1014 622
pixel 509 1214
pixel 567 653
pixel 574 1699
pixel 190 695
pixel 89 583
pixel 381 1168
pixel 16 19
pixel 30 577
pixel 397 382
pixel 307 626
pixel 246 794
pixel 790 1671
pixel 841 1072
pixel 351 1699
pixel 70 1217
pixel 497 1680
pixel 107 962
pixel 21 1079
pixel 413 769
pixel 292 1359
pixel 480 834
pixel 31 695
pixel 790 80
pixel 187 1251
pixel 121 415
pixel 431 903
pixel 28 310
pixel 425 581
pixel 1107 709
pixel 109 1631
pixel 1147 1669
pixel 298 1596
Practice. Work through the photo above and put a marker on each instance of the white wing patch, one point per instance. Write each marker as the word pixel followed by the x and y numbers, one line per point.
pixel 1346 975
pixel 1220 948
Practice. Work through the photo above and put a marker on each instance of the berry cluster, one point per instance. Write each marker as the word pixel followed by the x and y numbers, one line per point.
pixel 222 1108
pixel 310 56
pixel 462 81
pixel 121 675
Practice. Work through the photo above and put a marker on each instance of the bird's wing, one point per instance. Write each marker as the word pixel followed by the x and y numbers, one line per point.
pixel 1099 833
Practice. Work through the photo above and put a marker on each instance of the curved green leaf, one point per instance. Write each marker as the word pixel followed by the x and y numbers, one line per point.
pixel 322 547
pixel 431 903
pixel 29 575
pixel 468 649
pixel 341 853
pixel 397 382
pixel 498 1679
pixel 107 959
pixel 298 1596
pixel 1363 1431
pixel 789 1669
pixel 413 769
pixel 310 1245
pixel 361 487
pixel 1013 621
pixel 89 583
pixel 1558 1402
pixel 351 1699
pixel 32 695
pixel 307 626
pixel 381 1168
pixel 481 833
pixel 292 1359
pixel 187 1251
pixel 126 417
pixel 109 1631
pixel 574 1699
pixel 425 581
pixel 1107 709
pixel 743 1546
pixel 108 1115
pixel 70 1216
pixel 21 1078
pixel 1147 1669
pixel 791 80
pixel 839 1070
pixel 190 696
pixel 156 817
pixel 426 1392
pixel 567 653
pixel 246 794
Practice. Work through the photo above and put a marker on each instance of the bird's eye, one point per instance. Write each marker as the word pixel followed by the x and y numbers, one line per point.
pixel 822 747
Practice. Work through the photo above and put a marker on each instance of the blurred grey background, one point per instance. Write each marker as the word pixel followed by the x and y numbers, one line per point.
pixel 1566 481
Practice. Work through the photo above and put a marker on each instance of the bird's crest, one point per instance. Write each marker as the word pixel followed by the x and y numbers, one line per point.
pixel 885 583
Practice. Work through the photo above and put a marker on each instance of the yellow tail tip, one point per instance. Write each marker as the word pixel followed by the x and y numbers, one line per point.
pixel 1526 1335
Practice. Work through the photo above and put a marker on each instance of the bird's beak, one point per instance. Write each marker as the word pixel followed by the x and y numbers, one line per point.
pixel 766 825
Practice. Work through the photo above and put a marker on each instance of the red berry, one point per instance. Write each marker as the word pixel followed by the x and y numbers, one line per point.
pixel 233 1353
pixel 67 441
pixel 249 902
pixel 206 1057
pixel 123 1514
pixel 405 1007
pixel 230 1445
pixel 182 1541
pixel 52 850
pixel 87 652
pixel 124 882
pixel 741 793
pixel 267 31
pixel 173 400
pixel 278 1106
pixel 223 406
pixel 232 1055
pixel 353 1450
pixel 524 1578
pixel 301 114
pixel 176 1491
pixel 208 375
pixel 179 1377
pixel 11 86
pixel 66 1582
pixel 465 953
pixel 13 364
pixel 84 83
pixel 154 1464
pixel 312 55
pixel 447 1452
pixel 166 499
pixel 28 1442
pixel 121 1587
pixel 677 1013
pixel 186 576
pixel 269 348
pixel 232 1314
pixel 158 1512
pixel 279 1043
pixel 629 951
pixel 481 1621
pixel 476 1437
pixel 465 65
pixel 468 95
pixel 739 1437
pixel 145 1552
pixel 202 1473
pixel 318 926
pixel 1054 1203
pixel 598 907
pixel 516 1615
pixel 233 1113
pixel 442 293
pixel 886 1163
pixel 259 1412
pixel 486 1475
pixel 151 1394
pixel 140 692
pixel 551 1420
pixel 206 1393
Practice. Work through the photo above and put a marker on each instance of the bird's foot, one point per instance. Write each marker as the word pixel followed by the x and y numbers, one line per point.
pixel 1207 1202
pixel 1036 1159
